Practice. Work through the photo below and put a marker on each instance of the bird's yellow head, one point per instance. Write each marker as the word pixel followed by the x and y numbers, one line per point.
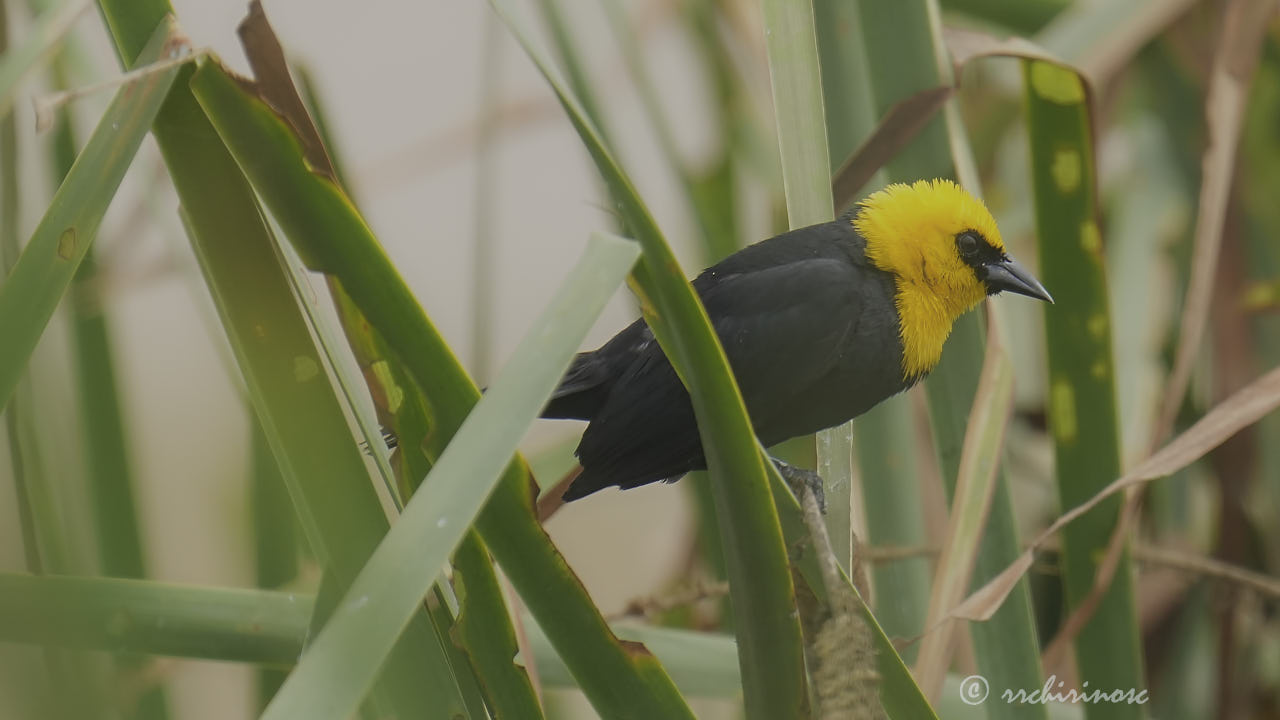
pixel 945 253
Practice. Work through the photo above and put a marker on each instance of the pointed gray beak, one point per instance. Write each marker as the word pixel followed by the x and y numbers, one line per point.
pixel 1009 275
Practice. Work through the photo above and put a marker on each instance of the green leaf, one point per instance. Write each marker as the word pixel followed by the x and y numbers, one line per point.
pixel 275 538
pixel 1081 402
pixel 109 472
pixel 49 261
pixel 301 416
pixel 333 675
pixel 702 664
pixel 308 434
pixel 792 49
pixel 484 630
pixel 618 682
pixel 155 618
pixel 482 635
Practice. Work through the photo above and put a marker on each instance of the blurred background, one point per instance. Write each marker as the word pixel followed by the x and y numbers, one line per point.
pixel 468 172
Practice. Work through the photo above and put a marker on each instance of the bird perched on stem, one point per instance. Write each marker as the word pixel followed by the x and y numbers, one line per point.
pixel 819 324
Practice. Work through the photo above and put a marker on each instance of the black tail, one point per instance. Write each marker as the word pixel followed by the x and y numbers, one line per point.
pixel 581 392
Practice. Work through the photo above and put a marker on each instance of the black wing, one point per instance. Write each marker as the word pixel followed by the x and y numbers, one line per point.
pixel 783 314
pixel 784 330
pixel 591 375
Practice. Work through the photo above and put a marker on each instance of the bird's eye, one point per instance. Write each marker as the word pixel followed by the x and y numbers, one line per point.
pixel 967 243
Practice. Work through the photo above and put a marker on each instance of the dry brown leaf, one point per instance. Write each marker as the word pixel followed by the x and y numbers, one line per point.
pixel 273 84
pixel 986 600
pixel 1237 412
pixel 1243 408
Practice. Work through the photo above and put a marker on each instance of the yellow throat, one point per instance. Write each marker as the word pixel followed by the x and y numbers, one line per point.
pixel 911 232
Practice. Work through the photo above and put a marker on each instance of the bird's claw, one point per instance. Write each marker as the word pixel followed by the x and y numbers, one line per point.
pixel 388 438
pixel 799 478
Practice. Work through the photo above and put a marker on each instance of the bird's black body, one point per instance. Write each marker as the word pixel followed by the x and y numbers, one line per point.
pixel 811 332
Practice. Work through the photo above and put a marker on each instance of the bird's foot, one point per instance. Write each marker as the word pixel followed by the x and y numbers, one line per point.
pixel 388 438
pixel 799 478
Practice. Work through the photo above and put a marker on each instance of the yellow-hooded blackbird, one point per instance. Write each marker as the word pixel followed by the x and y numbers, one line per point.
pixel 819 325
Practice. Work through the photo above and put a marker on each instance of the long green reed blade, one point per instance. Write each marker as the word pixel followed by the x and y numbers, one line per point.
pixel 266 58
pixel 562 39
pixel 761 588
pixel 136 616
pixel 975 485
pixel 792 47
pixel 333 675
pixel 107 464
pixel 1081 398
pixel 619 683
pixel 439 605
pixel 1260 168
pixel 482 635
pixel 49 261
pixel 106 450
pixel 702 664
pixel 45 497
pixel 485 632
pixel 17 420
pixel 275 539
pixel 321 463
pixel 885 436
pixel 846 87
pixel 260 43
pixel 305 424
pixel 398 407
pixel 797 105
pixel 268 628
pixel 905 54
pixel 39 42
pixel 887 450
